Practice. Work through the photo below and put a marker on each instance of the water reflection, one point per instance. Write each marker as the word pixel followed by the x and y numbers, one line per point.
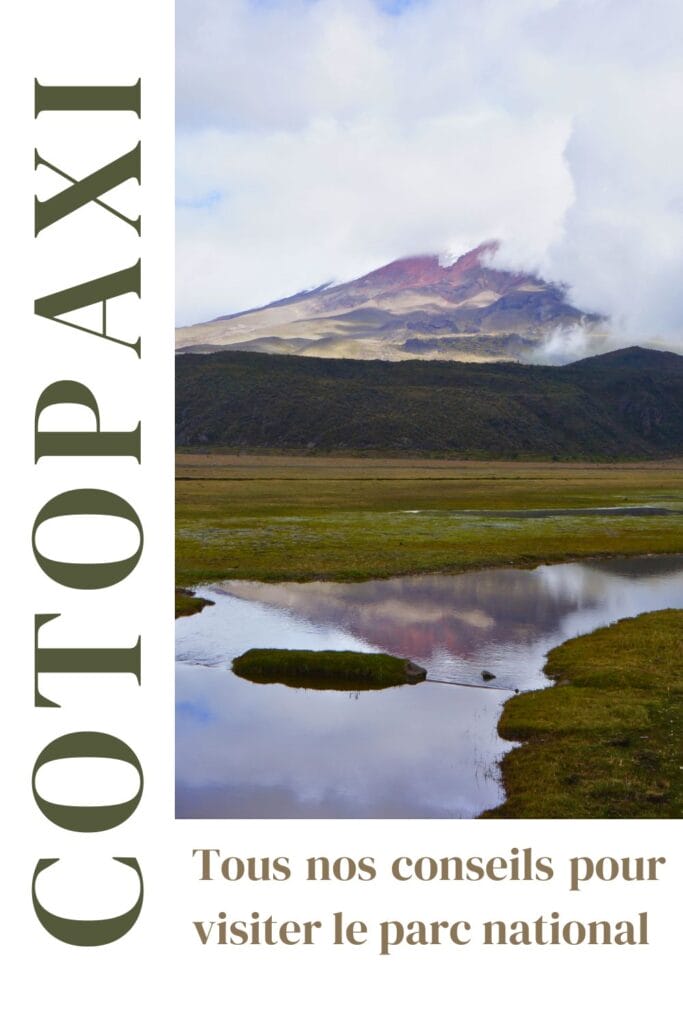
pixel 245 750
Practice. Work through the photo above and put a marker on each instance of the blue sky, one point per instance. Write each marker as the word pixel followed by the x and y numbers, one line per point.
pixel 317 139
pixel 389 6
pixel 397 6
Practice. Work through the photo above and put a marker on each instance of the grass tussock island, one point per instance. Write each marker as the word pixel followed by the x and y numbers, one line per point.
pixel 339 670
pixel 186 603
pixel 604 742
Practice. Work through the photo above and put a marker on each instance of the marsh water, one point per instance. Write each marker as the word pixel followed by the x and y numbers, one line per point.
pixel 247 750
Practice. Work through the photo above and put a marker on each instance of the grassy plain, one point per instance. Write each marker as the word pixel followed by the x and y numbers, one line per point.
pixel 604 746
pixel 605 740
pixel 302 518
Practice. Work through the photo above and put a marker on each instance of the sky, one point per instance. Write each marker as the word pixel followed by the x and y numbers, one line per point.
pixel 320 139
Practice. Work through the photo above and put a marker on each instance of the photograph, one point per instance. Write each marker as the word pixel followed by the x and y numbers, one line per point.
pixel 429 412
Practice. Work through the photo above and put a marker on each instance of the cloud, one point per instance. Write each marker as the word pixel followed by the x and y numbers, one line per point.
pixel 318 139
pixel 335 200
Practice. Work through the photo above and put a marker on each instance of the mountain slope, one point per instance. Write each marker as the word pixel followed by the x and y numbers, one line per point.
pixel 467 311
pixel 625 404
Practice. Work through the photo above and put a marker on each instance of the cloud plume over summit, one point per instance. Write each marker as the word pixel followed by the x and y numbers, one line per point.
pixel 318 139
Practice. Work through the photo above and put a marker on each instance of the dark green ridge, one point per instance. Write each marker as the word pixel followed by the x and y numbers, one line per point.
pixel 626 404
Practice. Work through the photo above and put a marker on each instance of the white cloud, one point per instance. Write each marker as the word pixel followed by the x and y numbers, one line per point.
pixel 334 200
pixel 318 139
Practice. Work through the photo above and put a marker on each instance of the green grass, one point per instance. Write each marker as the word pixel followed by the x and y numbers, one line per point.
pixel 604 742
pixel 187 604
pixel 298 518
pixel 339 670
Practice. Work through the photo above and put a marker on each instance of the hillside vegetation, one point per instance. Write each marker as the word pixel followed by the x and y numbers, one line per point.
pixel 627 404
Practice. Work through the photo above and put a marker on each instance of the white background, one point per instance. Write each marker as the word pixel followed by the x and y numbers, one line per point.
pixel 160 970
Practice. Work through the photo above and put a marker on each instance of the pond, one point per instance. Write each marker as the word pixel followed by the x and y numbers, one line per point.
pixel 432 750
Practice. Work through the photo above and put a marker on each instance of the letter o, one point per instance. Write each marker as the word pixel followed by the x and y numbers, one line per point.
pixel 607 869
pixel 226 869
pixel 97 818
pixel 87 575
pixel 87 933
pixel 426 869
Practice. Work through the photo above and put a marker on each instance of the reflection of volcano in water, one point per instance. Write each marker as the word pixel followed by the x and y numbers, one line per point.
pixel 408 751
pixel 416 616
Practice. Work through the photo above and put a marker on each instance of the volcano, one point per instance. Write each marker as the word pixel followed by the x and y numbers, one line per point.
pixel 417 307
